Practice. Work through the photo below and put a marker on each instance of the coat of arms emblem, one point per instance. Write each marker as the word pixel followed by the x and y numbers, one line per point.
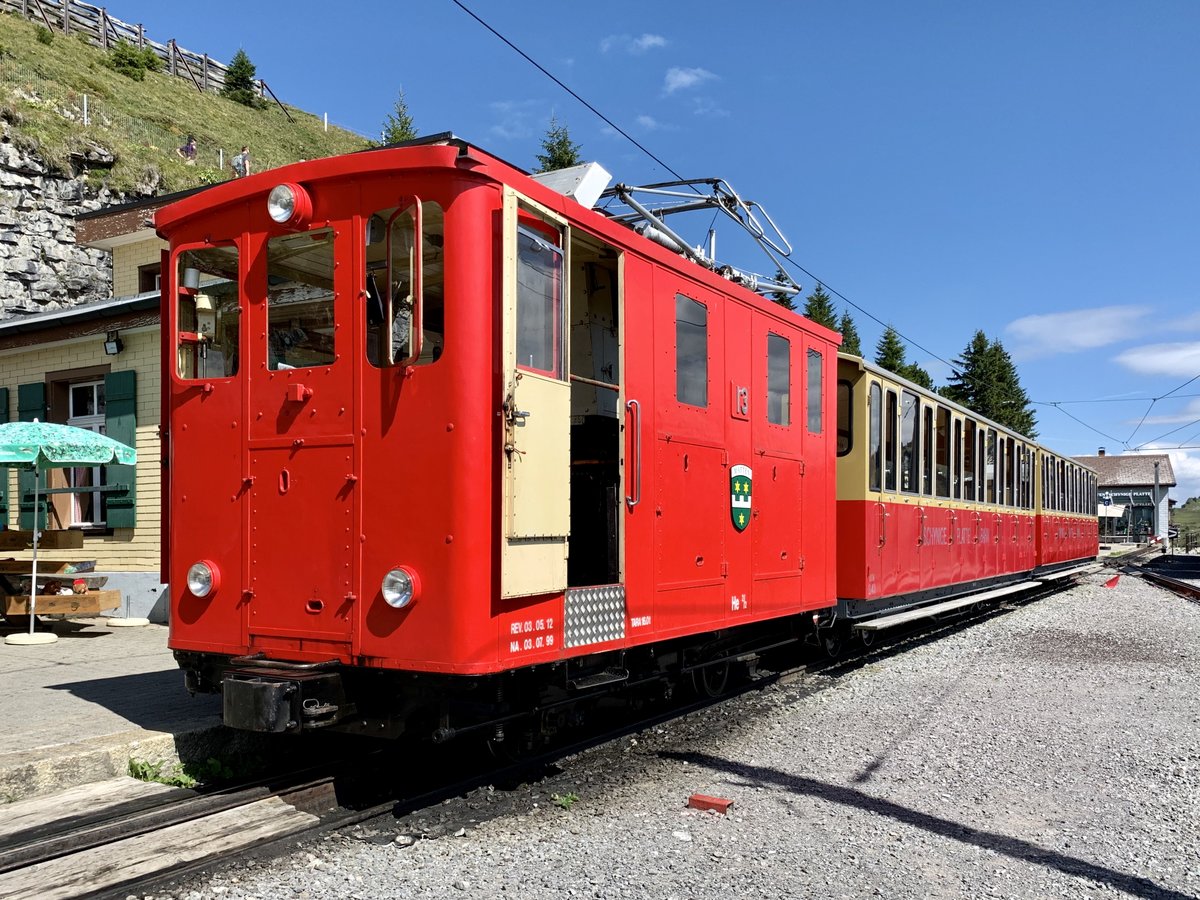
pixel 740 479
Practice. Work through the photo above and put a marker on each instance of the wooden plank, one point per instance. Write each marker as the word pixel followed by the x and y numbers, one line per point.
pixel 89 604
pixel 137 858
pixel 85 799
pixel 46 567
pixel 68 539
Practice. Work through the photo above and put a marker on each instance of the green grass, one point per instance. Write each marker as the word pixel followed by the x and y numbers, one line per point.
pixel 140 123
pixel 1186 516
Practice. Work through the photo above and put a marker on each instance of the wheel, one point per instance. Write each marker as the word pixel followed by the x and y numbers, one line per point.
pixel 833 641
pixel 867 638
pixel 711 681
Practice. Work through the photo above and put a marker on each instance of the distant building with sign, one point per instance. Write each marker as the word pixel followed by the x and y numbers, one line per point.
pixel 1132 493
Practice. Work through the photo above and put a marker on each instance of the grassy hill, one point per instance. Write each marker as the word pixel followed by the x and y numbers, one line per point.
pixel 140 123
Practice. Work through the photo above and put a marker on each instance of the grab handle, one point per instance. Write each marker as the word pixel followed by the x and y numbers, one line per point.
pixel 635 463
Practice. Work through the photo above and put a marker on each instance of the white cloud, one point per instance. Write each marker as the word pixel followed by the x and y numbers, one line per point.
pixel 706 106
pixel 1181 359
pixel 1070 332
pixel 624 43
pixel 649 123
pixel 1187 323
pixel 516 118
pixel 1189 413
pixel 680 79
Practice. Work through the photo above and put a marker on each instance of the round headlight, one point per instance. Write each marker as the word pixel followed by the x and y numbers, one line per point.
pixel 289 204
pixel 202 578
pixel 281 203
pixel 400 587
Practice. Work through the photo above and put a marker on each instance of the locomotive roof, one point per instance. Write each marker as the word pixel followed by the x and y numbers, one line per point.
pixel 449 152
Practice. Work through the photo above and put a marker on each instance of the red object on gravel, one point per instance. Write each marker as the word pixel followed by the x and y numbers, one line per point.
pixel 703 801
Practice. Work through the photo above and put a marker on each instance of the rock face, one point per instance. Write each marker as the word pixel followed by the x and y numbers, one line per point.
pixel 41 266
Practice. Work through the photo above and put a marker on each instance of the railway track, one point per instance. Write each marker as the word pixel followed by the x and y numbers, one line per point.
pixel 162 834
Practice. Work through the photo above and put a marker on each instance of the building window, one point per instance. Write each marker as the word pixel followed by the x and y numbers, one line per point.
pixel 149 278
pixel 85 409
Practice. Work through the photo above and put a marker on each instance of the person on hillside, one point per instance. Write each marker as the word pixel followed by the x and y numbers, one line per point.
pixel 241 163
pixel 188 151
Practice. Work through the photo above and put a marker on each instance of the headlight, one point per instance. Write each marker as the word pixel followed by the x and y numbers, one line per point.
pixel 400 587
pixel 289 204
pixel 203 578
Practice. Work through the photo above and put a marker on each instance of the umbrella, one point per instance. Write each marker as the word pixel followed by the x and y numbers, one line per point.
pixel 45 445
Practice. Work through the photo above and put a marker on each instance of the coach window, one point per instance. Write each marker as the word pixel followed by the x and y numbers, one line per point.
pixel 779 379
pixel 890 417
pixel 875 438
pixel 1010 469
pixel 1003 470
pixel 927 446
pixel 209 313
pixel 942 469
pixel 958 459
pixel 989 466
pixel 968 465
pixel 816 391
pixel 300 324
pixel 401 293
pixel 1062 485
pixel 691 351
pixel 910 441
pixel 845 413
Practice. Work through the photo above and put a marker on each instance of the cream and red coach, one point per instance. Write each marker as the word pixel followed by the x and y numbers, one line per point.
pixel 444 447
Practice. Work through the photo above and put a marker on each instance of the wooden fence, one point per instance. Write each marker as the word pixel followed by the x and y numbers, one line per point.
pixel 103 31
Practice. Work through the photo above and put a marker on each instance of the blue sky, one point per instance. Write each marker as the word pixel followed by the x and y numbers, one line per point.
pixel 1027 168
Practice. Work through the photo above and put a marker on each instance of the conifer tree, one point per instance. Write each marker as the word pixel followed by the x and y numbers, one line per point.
pixel 399 124
pixel 818 306
pixel 239 81
pixel 890 354
pixel 986 381
pixel 783 299
pixel 560 151
pixel 851 343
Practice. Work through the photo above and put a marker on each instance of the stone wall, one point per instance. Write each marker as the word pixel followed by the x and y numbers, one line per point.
pixel 41 266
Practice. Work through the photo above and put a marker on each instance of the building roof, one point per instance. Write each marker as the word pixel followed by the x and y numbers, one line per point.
pixel 1130 469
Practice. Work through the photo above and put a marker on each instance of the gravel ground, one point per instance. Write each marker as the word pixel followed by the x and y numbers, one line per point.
pixel 1052 751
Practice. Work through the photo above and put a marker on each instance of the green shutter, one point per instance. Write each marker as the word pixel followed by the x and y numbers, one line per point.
pixel 120 424
pixel 4 474
pixel 31 404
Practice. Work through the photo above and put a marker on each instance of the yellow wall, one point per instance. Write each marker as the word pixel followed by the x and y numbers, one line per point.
pixel 126 260
pixel 127 549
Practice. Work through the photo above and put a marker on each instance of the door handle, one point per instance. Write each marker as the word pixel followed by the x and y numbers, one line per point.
pixel 635 463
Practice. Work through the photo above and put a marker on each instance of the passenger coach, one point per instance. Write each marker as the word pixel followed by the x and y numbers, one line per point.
pixel 936 502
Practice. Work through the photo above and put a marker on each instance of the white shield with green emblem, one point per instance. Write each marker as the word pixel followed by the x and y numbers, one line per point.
pixel 740 480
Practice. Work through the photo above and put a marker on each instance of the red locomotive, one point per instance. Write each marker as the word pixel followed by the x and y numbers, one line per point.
pixel 446 450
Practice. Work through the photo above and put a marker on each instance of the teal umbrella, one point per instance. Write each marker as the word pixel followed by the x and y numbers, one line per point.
pixel 45 445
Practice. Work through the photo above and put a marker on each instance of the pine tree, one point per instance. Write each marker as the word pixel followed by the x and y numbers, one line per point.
pixel 399 124
pixel 561 151
pixel 851 343
pixel 889 350
pixel 783 299
pixel 818 306
pixel 986 381
pixel 239 81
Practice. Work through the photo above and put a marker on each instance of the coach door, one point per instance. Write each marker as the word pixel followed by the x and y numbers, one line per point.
pixel 300 484
pixel 536 405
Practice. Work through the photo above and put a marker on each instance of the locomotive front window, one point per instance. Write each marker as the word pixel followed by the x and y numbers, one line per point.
pixel 401 293
pixel 539 303
pixel 691 351
pixel 779 377
pixel 300 323
pixel 209 311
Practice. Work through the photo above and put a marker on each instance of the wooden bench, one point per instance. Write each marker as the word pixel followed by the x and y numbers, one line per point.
pixel 15 602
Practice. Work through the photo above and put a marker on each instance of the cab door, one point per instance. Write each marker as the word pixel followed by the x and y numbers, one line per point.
pixel 301 469
pixel 536 403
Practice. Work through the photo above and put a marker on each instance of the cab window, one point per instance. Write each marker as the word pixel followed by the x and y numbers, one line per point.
pixel 779 376
pixel 300 324
pixel 209 312
pixel 691 351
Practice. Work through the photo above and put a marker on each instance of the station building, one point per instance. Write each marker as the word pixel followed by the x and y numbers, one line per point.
pixel 1132 492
